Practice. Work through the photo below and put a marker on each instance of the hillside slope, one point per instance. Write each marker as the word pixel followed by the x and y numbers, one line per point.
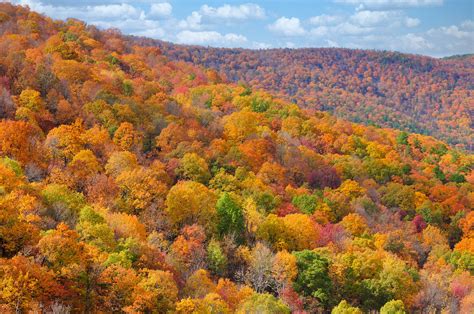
pixel 134 184
pixel 408 92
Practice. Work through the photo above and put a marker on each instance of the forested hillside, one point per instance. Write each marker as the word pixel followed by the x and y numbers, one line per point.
pixel 389 89
pixel 134 184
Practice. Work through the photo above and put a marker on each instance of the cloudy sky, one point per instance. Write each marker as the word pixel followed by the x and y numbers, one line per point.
pixel 430 27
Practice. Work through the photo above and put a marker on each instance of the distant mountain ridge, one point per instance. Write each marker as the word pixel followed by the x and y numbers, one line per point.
pixel 463 56
pixel 389 89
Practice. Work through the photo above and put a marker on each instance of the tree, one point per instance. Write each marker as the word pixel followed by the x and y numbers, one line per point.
pixel 94 230
pixel 117 286
pixel 16 231
pixel 305 203
pixel 156 292
pixel 62 204
pixel 216 258
pixel 259 273
pixel 355 224
pixel 313 276
pixel 263 303
pixel 398 195
pixel 199 284
pixel 467 225
pixel 119 162
pixel 192 167
pixel 126 226
pixel 291 232
pixel 24 283
pixel 284 268
pixel 345 308
pixel 61 248
pixel 83 166
pixel 272 173
pixel 31 100
pixel 230 216
pixel 20 141
pixel 393 307
pixel 402 138
pixel 140 190
pixel 188 252
pixel 299 232
pixel 239 125
pixel 126 138
pixel 71 71
pixel 191 202
pixel 231 293
pixel 66 141
pixel 256 152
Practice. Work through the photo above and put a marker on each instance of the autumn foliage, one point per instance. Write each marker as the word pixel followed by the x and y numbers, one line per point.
pixel 131 183
pixel 388 89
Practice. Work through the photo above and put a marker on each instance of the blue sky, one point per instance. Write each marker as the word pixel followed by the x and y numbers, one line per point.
pixel 429 27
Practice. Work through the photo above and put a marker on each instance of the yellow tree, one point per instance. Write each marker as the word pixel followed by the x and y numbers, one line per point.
pixel 284 268
pixel 191 202
pixel 141 189
pixel 240 125
pixel 156 292
pixel 127 138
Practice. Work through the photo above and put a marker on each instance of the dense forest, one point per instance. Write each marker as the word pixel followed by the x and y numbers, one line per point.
pixel 130 183
pixel 389 89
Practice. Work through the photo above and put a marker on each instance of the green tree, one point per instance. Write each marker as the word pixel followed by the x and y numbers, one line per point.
pixel 313 276
pixel 94 230
pixel 402 138
pixel 345 308
pixel 393 307
pixel 230 216
pixel 62 203
pixel 305 203
pixel 263 304
pixel 439 174
pixel 193 167
pixel 216 258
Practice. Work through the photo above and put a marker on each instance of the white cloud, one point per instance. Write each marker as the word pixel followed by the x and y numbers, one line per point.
pixel 193 21
pixel 112 11
pixel 320 31
pixel 347 28
pixel 287 26
pixel 156 32
pixel 210 37
pixel 391 3
pixel 238 12
pixel 160 9
pixel 331 43
pixel 207 16
pixel 89 12
pixel 412 22
pixel 411 42
pixel 384 19
pixel 260 45
pixel 468 24
pixel 441 41
pixel 325 19
pixel 371 18
pixel 451 31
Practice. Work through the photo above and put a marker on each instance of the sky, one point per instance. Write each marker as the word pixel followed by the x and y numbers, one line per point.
pixel 430 27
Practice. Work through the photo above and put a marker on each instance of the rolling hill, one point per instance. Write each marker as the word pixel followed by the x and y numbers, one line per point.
pixel 389 89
